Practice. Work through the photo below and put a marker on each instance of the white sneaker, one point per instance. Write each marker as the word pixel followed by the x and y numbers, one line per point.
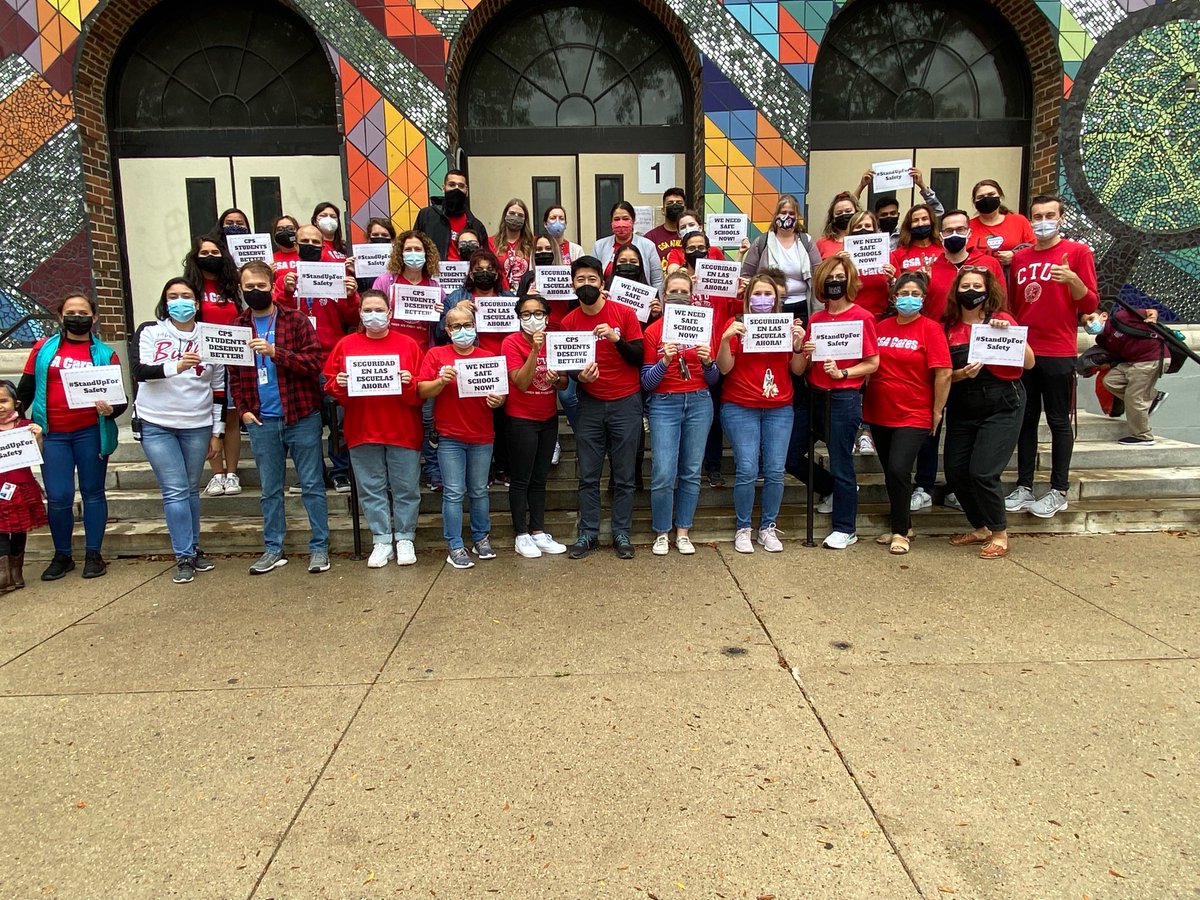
pixel 839 540
pixel 216 486
pixel 557 454
pixel 919 500
pixel 825 507
pixel 525 547
pixel 1048 504
pixel 768 540
pixel 684 545
pixel 742 542
pixel 1019 500
pixel 866 444
pixel 381 554
pixel 662 545
pixel 951 500
pixel 406 553
pixel 547 544
pixel 233 484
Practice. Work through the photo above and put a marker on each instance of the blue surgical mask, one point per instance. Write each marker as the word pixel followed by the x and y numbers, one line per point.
pixel 1094 327
pixel 556 229
pixel 1045 229
pixel 414 259
pixel 464 337
pixel 909 305
pixel 181 310
pixel 374 320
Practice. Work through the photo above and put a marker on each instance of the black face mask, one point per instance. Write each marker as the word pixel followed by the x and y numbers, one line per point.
pixel 380 239
pixel 987 205
pixel 285 238
pixel 889 223
pixel 466 249
pixel 543 258
pixel 842 221
pixel 835 290
pixel 628 270
pixel 235 229
pixel 971 299
pixel 587 294
pixel 454 202
pixel 309 252
pixel 77 324
pixel 672 211
pixel 922 232
pixel 954 243
pixel 483 278
pixel 257 300
pixel 210 264
pixel 693 255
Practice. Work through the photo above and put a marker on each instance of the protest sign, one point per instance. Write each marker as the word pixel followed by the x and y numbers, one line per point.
pixel 569 351
pixel 643 220
pixel 717 277
pixel 452 275
pixel 554 282
pixel 370 260
pixel 837 340
pixel 687 326
pixel 634 294
pixel 85 387
pixel 415 303
pixel 246 248
pixel 18 449
pixel 372 376
pixel 727 229
pixel 496 315
pixel 998 346
pixel 767 332
pixel 320 279
pixel 891 176
pixel 869 252
pixel 479 376
pixel 225 344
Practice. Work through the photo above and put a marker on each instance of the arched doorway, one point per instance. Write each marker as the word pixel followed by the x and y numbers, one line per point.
pixel 946 85
pixel 228 103
pixel 579 105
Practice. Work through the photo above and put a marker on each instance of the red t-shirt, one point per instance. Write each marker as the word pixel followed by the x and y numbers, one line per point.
pixel 911 259
pixel 493 341
pixel 755 375
pixel 618 379
pixel 942 274
pixel 394 419
pixel 540 402
pixel 215 307
pixel 513 264
pixel 285 260
pixel 873 294
pixel 960 335
pixel 457 224
pixel 421 332
pixel 71 355
pixel 674 382
pixel 675 257
pixel 1046 306
pixel 828 247
pixel 466 419
pixel 1013 229
pixel 900 393
pixel 817 376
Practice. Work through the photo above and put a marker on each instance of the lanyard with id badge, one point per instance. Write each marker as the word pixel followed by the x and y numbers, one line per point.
pixel 264 376
pixel 312 319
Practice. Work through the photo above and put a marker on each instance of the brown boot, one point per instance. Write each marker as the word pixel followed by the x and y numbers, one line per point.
pixel 6 584
pixel 16 570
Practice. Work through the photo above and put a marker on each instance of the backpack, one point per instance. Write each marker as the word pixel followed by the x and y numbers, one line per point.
pixel 1178 353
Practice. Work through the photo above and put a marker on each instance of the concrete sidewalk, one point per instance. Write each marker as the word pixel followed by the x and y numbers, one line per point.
pixel 807 725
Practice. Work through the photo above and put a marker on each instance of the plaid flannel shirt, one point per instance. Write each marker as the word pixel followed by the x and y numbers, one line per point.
pixel 298 359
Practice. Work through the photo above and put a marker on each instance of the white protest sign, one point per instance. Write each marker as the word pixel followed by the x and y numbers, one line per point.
pixel 868 252
pixel 415 303
pixel 554 282
pixel 18 449
pixel 998 346
pixel 481 375
pixel 225 344
pixel 634 294
pixel 643 219
pixel 686 325
pixel 727 229
pixel 372 376
pixel 892 175
pixel 246 248
pixel 495 315
pixel 370 260
pixel 320 279
pixel 767 332
pixel 84 387
pixel 717 277
pixel 452 275
pixel 837 340
pixel 569 351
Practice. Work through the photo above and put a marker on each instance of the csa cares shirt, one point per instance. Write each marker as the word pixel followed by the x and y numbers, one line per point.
pixel 817 376
pixel 913 259
pixel 391 419
pixel 215 307
pixel 618 379
pixel 900 393
pixel 755 375
pixel 540 401
pixel 70 355
pixel 466 419
pixel 1046 306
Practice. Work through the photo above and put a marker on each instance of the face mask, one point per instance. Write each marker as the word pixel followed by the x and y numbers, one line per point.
pixel 534 325
pixel 380 239
pixel 628 270
pixel 235 229
pixel 672 211
pixel 1045 229
pixel 987 205
pixel 954 243
pixel 455 201
pixel 464 337
pixel 181 310
pixel 556 229
pixel 863 231
pixel 785 221
pixel 835 290
pixel 374 320
pixel 327 224
pixel 922 232
pixel 1094 327
pixel 622 231
pixel 889 223
pixel 842 221
pixel 77 324
pixel 588 294
pixel 693 255
pixel 285 238
pixel 676 297
pixel 309 252
pixel 971 299
pixel 516 223
pixel 762 303
pixel 908 305
pixel 210 264
pixel 257 300
pixel 414 259
pixel 483 278
pixel 543 258
pixel 466 248
pixel 687 230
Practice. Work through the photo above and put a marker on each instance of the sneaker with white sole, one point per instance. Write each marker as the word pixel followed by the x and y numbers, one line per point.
pixel 742 541
pixel 547 544
pixel 920 500
pixel 768 540
pixel 1019 500
pixel 1048 504
pixel 381 555
pixel 406 553
pixel 1133 440
pixel 839 540
pixel 271 559
pixel 557 454
pixel 483 548
pixel 662 545
pixel 684 545
pixel 866 444
pixel 825 507
pixel 318 561
pixel 460 559
pixel 951 501
pixel 233 484
pixel 525 547
pixel 216 486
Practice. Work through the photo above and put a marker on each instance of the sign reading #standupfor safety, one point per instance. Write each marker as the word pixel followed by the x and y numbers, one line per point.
pixel 320 279
pixel 19 449
pixel 225 344
pixel 481 376
pixel 837 340
pixel 373 376
pixel 90 385
pixel 998 346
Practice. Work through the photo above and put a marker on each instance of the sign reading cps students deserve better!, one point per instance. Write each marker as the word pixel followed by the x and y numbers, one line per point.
pixel 18 448
pixel 370 260
pixel 415 303
pixel 496 315
pixel 868 252
pixel 246 248
pixel 225 344
pixel 687 326
pixel 837 340
pixel 634 294
pixel 452 274
pixel 482 375
pixel 569 351
pixel 998 346
pixel 767 333
pixel 717 277
pixel 87 386
pixel 891 176
pixel 373 376
pixel 728 229
pixel 554 282
pixel 320 279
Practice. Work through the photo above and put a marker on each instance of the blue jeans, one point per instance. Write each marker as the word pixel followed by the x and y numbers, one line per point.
pixel 334 416
pixel 464 474
pixel 757 433
pixel 378 468
pixel 64 453
pixel 679 426
pixel 177 457
pixel 272 442
pixel 844 416
pixel 568 399
pixel 429 460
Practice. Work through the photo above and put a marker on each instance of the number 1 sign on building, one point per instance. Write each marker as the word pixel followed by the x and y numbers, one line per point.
pixel 656 172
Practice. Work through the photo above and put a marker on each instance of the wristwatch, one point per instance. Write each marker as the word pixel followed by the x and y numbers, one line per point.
pixel 845 373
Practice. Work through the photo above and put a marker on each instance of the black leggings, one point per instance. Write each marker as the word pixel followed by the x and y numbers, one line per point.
pixel 983 420
pixel 897 449
pixel 530 448
pixel 1049 385
pixel 12 544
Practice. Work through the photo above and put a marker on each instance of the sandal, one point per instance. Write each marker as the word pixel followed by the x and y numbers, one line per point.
pixel 993 551
pixel 965 540
pixel 899 545
pixel 886 538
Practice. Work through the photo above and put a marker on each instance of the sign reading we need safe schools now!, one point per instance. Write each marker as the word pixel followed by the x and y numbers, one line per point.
pixel 687 326
pixel 481 376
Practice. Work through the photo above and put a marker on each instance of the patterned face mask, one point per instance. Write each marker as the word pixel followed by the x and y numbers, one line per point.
pixel 770 389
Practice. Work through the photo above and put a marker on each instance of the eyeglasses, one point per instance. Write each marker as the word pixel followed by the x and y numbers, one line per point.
pixel 454 329
pixel 919 296
pixel 978 270
pixel 530 316
pixel 962 232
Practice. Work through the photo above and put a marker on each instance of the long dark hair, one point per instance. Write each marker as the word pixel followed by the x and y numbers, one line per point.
pixel 993 303
pixel 217 233
pixel 642 277
pixel 483 254
pixel 916 278
pixel 339 242
pixel 227 278
pixel 160 311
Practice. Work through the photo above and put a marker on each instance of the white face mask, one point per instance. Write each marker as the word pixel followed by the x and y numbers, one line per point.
pixel 327 224
pixel 534 325
pixel 374 320
pixel 1046 228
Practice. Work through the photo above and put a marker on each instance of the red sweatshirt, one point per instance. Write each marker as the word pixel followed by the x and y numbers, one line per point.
pixel 394 419
pixel 1047 306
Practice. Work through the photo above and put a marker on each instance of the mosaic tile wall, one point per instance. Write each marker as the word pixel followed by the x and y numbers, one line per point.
pixel 391 55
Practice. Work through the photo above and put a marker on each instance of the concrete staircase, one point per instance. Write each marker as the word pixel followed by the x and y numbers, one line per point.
pixel 1113 489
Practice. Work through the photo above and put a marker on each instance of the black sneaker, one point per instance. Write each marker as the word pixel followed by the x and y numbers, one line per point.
pixel 59 566
pixel 716 479
pixel 1135 441
pixel 341 484
pixel 202 563
pixel 94 565
pixel 185 571
pixel 1159 397
pixel 623 546
pixel 582 547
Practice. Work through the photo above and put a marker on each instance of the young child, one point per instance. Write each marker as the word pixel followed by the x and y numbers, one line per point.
pixel 1139 358
pixel 21 506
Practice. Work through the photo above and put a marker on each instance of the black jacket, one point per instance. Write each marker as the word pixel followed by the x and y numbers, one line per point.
pixel 433 221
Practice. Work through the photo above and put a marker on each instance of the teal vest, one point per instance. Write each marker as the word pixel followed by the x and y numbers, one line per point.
pixel 102 355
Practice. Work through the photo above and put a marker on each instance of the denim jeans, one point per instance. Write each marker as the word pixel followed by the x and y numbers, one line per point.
pixel 568 399
pixel 64 453
pixel 609 428
pixel 177 457
pixel 679 427
pixel 757 434
pixel 797 455
pixel 272 442
pixel 464 474
pixel 334 416
pixel 429 460
pixel 714 447
pixel 844 409
pixel 379 468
